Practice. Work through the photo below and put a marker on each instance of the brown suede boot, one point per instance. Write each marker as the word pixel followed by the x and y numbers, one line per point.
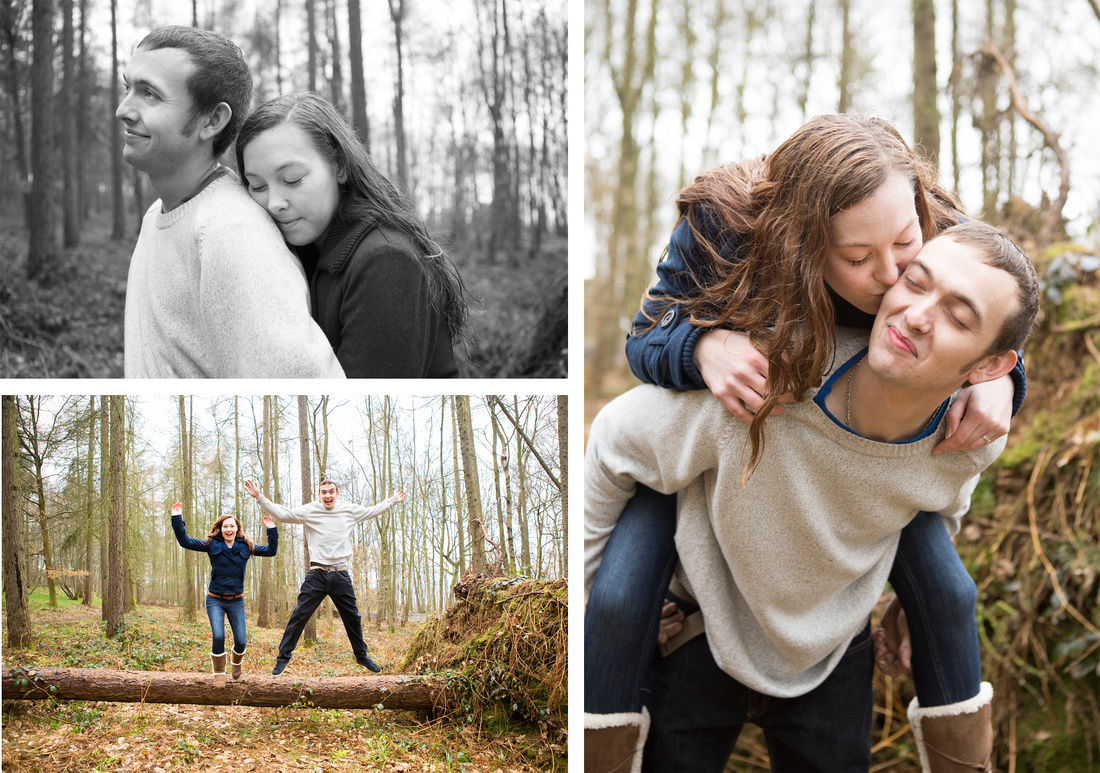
pixel 235 660
pixel 218 662
pixel 613 743
pixel 957 738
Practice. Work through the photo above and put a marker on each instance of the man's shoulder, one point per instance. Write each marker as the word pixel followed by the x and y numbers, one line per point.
pixel 225 200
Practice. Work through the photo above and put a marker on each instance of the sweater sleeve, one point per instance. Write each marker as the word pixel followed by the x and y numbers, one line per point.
pixel 281 512
pixel 661 439
pixel 255 305
pixel 272 546
pixel 361 513
pixel 387 315
pixel 187 543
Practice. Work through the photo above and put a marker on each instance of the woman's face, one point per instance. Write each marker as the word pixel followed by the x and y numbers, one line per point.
pixel 297 186
pixel 229 529
pixel 871 243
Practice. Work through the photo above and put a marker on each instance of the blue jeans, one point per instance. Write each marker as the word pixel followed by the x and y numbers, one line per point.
pixel 217 610
pixel 318 584
pixel 698 711
pixel 623 610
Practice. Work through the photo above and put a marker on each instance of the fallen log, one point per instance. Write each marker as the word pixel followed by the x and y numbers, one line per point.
pixel 333 692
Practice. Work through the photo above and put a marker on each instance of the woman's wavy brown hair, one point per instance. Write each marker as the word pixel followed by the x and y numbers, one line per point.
pixel 779 207
pixel 216 531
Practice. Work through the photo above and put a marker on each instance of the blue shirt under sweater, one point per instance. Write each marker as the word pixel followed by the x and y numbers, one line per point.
pixel 227 563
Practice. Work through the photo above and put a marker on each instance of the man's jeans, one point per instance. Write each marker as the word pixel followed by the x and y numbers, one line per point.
pixel 318 584
pixel 217 610
pixel 698 711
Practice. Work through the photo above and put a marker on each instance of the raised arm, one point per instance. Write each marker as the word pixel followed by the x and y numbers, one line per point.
pixel 180 528
pixel 272 546
pixel 275 510
pixel 361 513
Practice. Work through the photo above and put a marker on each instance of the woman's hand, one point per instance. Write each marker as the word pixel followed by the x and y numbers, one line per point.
pixel 981 414
pixel 893 648
pixel 269 523
pixel 735 372
pixel 177 509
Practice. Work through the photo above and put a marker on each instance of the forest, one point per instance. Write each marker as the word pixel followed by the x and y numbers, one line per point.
pixel 1000 97
pixel 465 110
pixel 95 575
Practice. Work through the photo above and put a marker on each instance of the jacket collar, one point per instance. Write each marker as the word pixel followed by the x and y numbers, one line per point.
pixel 238 553
pixel 342 239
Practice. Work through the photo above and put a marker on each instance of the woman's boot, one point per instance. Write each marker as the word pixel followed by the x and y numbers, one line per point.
pixel 957 738
pixel 218 661
pixel 613 743
pixel 235 661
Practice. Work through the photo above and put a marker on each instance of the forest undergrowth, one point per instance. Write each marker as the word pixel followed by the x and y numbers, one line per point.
pixel 70 326
pixel 89 737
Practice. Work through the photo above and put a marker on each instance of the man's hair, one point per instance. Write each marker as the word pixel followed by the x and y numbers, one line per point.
pixel 327 482
pixel 1001 252
pixel 221 75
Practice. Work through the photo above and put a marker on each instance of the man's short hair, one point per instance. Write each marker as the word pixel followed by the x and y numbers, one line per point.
pixel 221 75
pixel 1001 252
pixel 327 482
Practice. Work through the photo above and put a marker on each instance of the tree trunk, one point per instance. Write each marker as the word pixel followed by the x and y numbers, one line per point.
pixel 43 252
pixel 118 230
pixel 397 15
pixel 263 618
pixel 473 488
pixel 358 84
pixel 190 600
pixel 847 58
pixel 337 85
pixel 347 692
pixel 926 112
pixel 114 572
pixel 458 488
pixel 310 633
pixel 311 40
pixel 104 484
pixel 11 82
pixel 71 204
pixel 521 501
pixel 563 471
pixel 15 565
pixel 89 509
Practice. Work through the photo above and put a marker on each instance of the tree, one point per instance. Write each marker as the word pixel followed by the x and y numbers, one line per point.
pixel 190 602
pixel 310 632
pixel 118 230
pixel 10 13
pixel 89 508
pixel 358 84
pixel 563 467
pixel 71 205
pixel 476 525
pixel 113 599
pixel 397 15
pixel 926 113
pixel 15 566
pixel 263 618
pixel 42 255
pixel 847 58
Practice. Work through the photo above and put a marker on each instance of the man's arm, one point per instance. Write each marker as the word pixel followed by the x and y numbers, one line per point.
pixel 275 510
pixel 361 513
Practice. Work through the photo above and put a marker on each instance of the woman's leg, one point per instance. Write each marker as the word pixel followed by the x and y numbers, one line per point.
pixel 624 603
pixel 234 610
pixel 216 612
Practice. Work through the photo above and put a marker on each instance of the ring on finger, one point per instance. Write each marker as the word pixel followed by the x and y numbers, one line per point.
pixel 986 439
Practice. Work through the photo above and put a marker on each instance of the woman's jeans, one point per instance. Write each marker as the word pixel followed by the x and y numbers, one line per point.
pixel 624 606
pixel 217 610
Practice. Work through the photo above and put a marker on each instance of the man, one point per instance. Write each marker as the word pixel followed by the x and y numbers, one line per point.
pixel 212 289
pixel 328 523
pixel 787 568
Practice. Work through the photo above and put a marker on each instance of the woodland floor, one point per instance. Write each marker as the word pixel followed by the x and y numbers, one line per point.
pixel 70 326
pixel 89 737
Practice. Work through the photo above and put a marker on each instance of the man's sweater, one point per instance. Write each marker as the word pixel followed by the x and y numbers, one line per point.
pixel 787 569
pixel 328 531
pixel 214 292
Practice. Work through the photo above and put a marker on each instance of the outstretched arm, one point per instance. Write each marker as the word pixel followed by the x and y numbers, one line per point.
pixel 180 528
pixel 272 546
pixel 366 513
pixel 275 510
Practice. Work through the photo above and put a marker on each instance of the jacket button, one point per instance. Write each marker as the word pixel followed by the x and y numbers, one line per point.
pixel 669 316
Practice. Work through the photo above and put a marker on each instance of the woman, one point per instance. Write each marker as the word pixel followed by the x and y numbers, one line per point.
pixel 229 549
pixel 787 248
pixel 389 299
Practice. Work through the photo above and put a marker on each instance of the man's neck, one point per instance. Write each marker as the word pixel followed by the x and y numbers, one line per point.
pixel 183 181
pixel 878 410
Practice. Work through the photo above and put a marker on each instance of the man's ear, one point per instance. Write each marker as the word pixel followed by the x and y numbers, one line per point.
pixel 217 120
pixel 992 367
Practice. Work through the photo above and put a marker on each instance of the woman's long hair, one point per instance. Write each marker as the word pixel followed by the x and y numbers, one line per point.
pixel 216 531
pixel 779 207
pixel 367 194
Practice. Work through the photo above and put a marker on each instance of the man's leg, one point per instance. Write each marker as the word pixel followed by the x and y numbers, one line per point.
pixel 310 595
pixel 829 728
pixel 342 594
pixel 697 712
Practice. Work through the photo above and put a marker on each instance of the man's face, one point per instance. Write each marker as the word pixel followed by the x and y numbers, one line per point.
pixel 940 318
pixel 328 494
pixel 156 111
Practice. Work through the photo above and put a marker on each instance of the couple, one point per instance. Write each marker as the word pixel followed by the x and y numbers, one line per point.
pixel 786 551
pixel 328 523
pixel 214 289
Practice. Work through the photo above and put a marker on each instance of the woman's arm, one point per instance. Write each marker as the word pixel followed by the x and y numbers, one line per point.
pixel 983 412
pixel 272 546
pixel 180 529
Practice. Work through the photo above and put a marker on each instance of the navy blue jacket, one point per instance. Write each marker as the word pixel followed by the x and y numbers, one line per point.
pixel 226 563
pixel 665 354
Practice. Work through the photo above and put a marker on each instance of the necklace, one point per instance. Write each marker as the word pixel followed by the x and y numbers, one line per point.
pixel 848 402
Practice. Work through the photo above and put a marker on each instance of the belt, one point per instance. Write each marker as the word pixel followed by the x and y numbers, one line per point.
pixel 328 567
pixel 224 596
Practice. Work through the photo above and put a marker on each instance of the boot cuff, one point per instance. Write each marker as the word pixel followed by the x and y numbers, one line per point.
pixel 984 696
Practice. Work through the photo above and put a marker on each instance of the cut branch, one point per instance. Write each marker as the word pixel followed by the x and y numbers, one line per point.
pixel 348 692
pixel 1050 139
pixel 504 409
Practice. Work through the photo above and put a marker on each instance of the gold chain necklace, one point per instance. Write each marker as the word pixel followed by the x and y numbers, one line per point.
pixel 848 402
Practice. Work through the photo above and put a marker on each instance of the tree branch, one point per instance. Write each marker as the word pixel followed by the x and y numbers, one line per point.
pixel 504 409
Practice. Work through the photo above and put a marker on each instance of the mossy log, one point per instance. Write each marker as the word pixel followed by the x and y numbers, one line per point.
pixel 344 692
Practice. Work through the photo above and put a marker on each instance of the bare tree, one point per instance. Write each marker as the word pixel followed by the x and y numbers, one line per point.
pixel 397 15
pixel 476 525
pixel 190 602
pixel 926 113
pixel 118 230
pixel 310 632
pixel 42 255
pixel 15 566
pixel 114 600
pixel 358 84
pixel 71 202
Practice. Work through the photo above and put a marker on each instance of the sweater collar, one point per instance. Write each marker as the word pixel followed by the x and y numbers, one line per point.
pixel 343 237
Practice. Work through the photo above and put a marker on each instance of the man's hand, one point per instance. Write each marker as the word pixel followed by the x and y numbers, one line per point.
pixel 177 509
pixel 672 622
pixel 980 414
pixel 893 649
pixel 252 489
pixel 735 372
pixel 400 496
pixel 268 521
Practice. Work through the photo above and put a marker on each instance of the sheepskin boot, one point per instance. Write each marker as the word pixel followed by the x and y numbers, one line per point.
pixel 235 660
pixel 218 661
pixel 613 743
pixel 957 738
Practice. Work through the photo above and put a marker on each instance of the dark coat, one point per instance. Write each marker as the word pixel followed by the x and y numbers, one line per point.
pixel 372 297
pixel 227 564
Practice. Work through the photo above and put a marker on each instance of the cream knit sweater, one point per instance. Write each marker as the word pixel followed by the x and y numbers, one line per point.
pixel 328 531
pixel 214 292
pixel 787 569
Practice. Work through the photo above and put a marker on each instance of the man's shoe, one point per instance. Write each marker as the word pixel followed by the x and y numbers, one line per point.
pixel 366 662
pixel 280 664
